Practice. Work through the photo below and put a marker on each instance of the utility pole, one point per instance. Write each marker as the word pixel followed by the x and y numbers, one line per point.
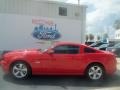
pixel 78 2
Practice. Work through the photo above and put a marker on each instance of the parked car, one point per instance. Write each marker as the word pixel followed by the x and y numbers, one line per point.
pixel 100 45
pixel 89 43
pixel 115 49
pixel 63 58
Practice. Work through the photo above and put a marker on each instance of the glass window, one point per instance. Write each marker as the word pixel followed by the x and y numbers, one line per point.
pixel 89 50
pixel 62 11
pixel 66 49
pixel 97 44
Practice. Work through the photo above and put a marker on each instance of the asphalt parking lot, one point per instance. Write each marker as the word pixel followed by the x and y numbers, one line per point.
pixel 60 82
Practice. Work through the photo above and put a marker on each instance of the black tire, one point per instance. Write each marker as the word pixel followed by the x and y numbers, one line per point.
pixel 20 70
pixel 95 72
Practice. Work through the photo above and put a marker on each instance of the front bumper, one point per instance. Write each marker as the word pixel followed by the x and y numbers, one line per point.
pixel 4 66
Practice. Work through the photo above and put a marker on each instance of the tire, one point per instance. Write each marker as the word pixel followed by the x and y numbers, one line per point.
pixel 20 70
pixel 95 72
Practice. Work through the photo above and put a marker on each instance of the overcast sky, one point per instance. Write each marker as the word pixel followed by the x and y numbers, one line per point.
pixel 101 14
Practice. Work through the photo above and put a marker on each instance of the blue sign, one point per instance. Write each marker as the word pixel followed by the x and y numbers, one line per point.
pixel 46 33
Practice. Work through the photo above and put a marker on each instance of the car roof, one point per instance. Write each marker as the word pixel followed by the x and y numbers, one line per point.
pixel 67 43
pixel 73 43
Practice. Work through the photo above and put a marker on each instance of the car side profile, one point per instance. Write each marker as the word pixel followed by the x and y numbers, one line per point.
pixel 63 58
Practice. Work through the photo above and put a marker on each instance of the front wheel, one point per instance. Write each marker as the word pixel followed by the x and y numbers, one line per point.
pixel 95 72
pixel 20 70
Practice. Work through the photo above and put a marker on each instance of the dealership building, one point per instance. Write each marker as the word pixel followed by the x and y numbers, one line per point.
pixel 37 24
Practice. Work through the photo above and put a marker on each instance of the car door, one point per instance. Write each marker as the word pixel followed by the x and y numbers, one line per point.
pixel 66 59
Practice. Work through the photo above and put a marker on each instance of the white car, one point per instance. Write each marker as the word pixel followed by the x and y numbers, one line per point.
pixel 100 45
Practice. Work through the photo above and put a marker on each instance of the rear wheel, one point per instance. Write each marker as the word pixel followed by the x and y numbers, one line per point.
pixel 95 72
pixel 20 70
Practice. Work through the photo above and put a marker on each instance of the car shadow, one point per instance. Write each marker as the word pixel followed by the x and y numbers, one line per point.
pixel 63 81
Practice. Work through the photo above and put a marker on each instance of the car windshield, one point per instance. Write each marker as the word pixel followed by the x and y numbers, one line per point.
pixel 97 44
pixel 117 45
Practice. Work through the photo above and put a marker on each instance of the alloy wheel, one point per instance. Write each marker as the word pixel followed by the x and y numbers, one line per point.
pixel 95 72
pixel 19 70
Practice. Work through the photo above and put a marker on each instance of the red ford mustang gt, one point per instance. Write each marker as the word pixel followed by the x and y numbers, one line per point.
pixel 60 59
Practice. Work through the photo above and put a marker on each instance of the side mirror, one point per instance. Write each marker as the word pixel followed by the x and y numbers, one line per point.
pixel 50 51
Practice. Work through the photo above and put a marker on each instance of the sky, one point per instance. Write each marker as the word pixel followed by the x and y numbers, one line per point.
pixel 101 14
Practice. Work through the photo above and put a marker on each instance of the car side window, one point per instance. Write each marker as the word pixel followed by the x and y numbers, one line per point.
pixel 66 49
pixel 89 50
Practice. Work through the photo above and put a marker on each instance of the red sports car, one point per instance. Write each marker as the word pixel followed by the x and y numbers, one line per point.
pixel 63 58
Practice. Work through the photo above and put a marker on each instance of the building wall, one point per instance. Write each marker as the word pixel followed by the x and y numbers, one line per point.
pixel 117 34
pixel 42 8
pixel 16 18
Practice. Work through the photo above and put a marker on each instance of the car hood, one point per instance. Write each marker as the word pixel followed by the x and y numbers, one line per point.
pixel 22 51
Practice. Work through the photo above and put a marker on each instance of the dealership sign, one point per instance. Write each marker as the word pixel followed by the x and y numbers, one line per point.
pixel 45 30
